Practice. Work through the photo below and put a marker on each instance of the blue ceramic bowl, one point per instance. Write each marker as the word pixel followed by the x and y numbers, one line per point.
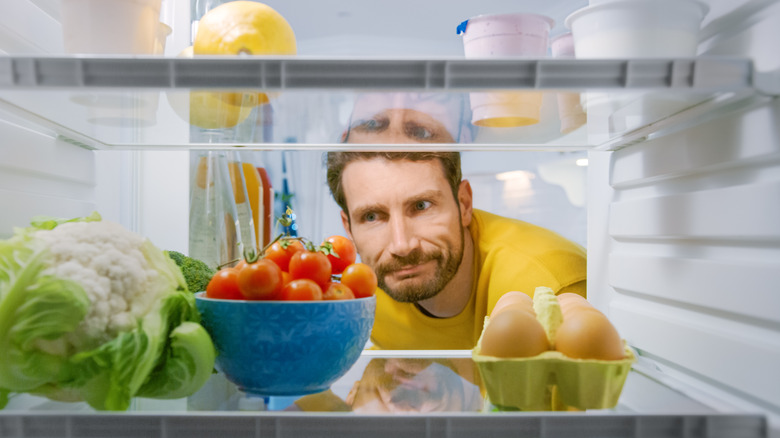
pixel 286 347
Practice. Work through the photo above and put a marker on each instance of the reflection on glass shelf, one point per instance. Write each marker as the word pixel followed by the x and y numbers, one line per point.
pixel 390 383
pixel 213 119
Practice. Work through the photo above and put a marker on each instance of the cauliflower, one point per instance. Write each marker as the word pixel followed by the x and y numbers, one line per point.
pixel 106 259
pixel 92 311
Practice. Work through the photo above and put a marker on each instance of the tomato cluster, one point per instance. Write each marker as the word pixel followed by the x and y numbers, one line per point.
pixel 292 270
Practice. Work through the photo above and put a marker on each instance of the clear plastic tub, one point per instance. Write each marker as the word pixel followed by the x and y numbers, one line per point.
pixel 110 26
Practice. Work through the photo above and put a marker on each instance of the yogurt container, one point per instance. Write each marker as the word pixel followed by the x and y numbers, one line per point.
pixel 506 35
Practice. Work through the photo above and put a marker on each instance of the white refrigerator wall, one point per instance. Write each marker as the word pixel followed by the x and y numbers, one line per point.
pixel 684 243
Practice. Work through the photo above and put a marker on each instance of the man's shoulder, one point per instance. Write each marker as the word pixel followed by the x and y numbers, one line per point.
pixel 493 231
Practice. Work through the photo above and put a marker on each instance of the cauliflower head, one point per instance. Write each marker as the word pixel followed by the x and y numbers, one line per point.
pixel 92 311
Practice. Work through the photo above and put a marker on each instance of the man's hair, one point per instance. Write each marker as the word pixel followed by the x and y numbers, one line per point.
pixel 337 161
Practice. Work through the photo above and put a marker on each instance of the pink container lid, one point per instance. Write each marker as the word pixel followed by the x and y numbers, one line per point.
pixel 506 34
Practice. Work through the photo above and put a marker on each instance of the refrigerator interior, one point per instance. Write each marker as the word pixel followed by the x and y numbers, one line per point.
pixel 680 214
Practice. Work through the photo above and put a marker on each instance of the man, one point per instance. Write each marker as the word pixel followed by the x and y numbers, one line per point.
pixel 441 265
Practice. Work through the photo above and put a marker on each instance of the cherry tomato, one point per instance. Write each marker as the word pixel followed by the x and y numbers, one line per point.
pixel 240 265
pixel 312 265
pixel 261 280
pixel 282 250
pixel 361 279
pixel 302 289
pixel 346 251
pixel 338 291
pixel 286 278
pixel 224 285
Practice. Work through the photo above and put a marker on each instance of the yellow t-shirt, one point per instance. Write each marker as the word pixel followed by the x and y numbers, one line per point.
pixel 509 255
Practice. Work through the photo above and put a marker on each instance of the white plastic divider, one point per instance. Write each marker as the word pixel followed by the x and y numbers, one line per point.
pixel 455 74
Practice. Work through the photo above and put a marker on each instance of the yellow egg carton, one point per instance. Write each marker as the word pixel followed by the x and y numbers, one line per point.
pixel 551 380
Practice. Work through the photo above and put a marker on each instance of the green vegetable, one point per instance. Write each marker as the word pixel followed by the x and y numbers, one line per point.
pixel 196 273
pixel 90 311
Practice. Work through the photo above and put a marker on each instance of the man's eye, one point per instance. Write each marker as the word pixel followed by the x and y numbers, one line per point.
pixel 369 217
pixel 421 205
pixel 370 125
pixel 419 132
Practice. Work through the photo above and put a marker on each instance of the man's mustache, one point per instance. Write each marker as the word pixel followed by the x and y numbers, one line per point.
pixel 412 259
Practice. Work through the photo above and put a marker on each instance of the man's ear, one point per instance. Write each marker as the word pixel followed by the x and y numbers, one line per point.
pixel 465 198
pixel 345 223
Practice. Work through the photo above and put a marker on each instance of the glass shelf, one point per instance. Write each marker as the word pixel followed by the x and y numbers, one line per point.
pixel 384 394
pixel 214 102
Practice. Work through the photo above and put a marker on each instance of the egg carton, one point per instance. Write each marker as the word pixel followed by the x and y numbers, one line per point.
pixel 552 381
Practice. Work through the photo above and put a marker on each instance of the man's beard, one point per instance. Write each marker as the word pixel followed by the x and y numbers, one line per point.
pixel 447 264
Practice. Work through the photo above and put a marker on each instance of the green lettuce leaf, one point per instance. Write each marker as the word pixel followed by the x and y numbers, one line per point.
pixel 35 311
pixel 167 355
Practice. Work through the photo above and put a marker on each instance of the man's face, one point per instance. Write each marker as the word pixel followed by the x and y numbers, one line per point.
pixel 399 126
pixel 405 224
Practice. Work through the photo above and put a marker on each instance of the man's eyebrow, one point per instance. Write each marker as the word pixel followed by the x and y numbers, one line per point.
pixel 424 196
pixel 362 210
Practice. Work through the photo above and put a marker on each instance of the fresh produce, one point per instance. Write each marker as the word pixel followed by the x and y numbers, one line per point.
pixel 347 253
pixel 313 265
pixel 211 109
pixel 261 280
pixel 196 273
pixel 360 278
pixel 277 271
pixel 281 251
pixel 244 28
pixel 224 284
pixel 302 289
pixel 90 311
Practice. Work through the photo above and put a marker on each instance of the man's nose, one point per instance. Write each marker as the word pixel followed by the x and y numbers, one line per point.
pixel 402 239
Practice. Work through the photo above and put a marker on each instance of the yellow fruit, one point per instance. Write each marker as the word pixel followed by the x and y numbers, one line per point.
pixel 587 334
pixel 244 27
pixel 211 109
pixel 513 332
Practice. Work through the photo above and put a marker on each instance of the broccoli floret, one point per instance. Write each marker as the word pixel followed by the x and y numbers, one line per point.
pixel 196 272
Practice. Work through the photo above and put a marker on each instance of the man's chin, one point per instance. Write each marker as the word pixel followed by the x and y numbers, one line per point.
pixel 410 290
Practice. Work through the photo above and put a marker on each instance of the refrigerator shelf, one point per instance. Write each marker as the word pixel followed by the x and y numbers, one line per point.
pixel 282 425
pixel 448 402
pixel 147 102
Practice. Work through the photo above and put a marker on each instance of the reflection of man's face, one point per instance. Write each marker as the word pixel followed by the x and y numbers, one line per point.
pixel 399 126
pixel 405 223
pixel 411 385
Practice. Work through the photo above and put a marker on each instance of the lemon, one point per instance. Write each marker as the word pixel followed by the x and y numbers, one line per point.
pixel 212 109
pixel 244 27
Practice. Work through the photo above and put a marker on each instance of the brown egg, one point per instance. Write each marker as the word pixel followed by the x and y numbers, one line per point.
pixel 569 301
pixel 587 334
pixel 511 299
pixel 514 333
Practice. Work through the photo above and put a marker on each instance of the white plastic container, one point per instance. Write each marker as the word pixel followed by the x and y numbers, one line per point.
pixel 633 29
pixel 637 28
pixel 506 35
pixel 110 26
